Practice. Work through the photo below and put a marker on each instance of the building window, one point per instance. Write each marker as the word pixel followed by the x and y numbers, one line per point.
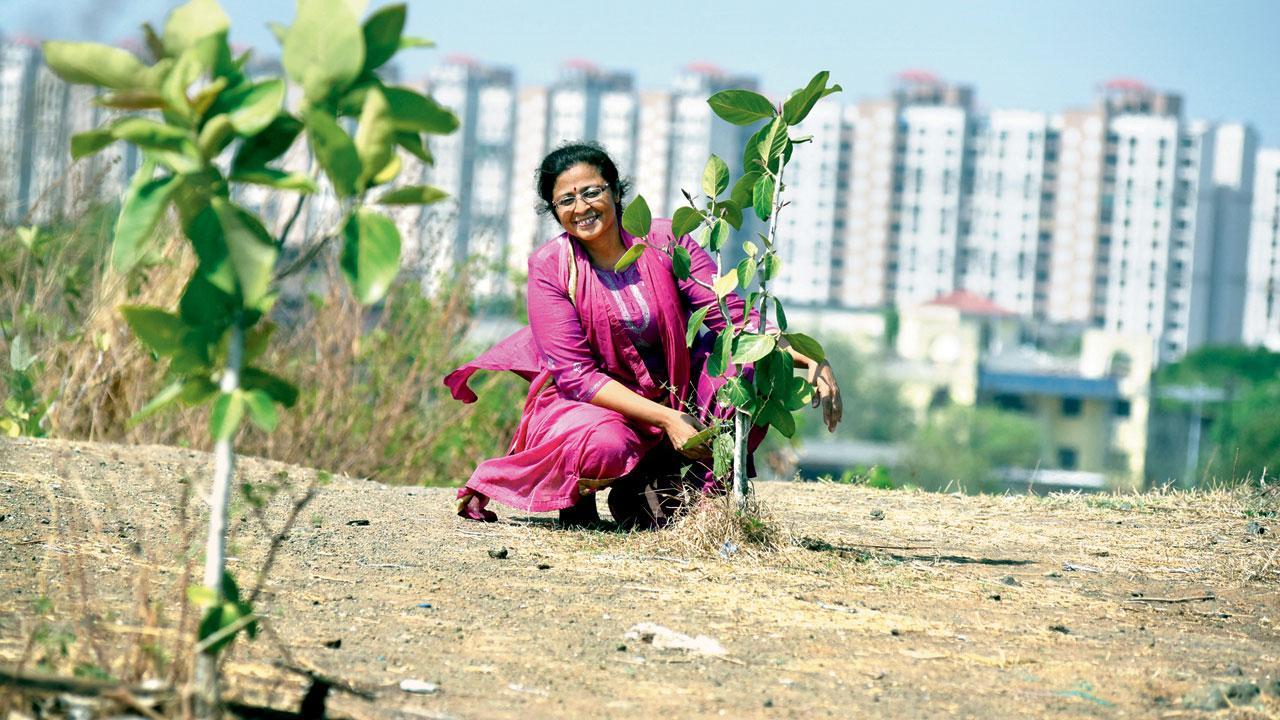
pixel 1071 406
pixel 1067 458
pixel 1122 408
pixel 1010 402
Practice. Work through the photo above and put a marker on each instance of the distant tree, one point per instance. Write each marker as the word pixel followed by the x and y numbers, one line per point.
pixel 1243 437
pixel 965 445
pixel 876 411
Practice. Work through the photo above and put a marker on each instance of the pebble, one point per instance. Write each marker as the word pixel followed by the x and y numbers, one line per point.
pixel 1255 528
pixel 499 554
pixel 419 687
pixel 877 514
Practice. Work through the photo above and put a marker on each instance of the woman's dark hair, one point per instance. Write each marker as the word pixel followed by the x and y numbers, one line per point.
pixel 579 153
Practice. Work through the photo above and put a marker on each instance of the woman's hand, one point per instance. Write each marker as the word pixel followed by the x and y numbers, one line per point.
pixel 826 393
pixel 680 428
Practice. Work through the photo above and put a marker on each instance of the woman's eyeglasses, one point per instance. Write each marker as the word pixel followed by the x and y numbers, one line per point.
pixel 589 196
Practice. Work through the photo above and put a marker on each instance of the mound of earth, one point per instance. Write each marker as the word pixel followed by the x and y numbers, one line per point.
pixel 883 604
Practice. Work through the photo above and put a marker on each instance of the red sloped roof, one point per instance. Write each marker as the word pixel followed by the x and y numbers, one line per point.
pixel 970 304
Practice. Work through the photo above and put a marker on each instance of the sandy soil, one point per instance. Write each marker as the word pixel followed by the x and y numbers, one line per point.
pixel 898 604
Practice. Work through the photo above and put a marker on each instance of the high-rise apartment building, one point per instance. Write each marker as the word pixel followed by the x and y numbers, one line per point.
pixel 912 180
pixel 696 133
pixel 807 226
pixel 1005 254
pixel 1262 298
pixel 474 164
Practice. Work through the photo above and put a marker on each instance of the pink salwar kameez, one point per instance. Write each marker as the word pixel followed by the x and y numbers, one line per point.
pixel 575 343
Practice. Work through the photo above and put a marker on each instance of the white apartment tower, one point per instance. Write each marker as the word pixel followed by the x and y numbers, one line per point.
pixel 529 227
pixel 911 184
pixel 1262 298
pixel 807 226
pixel 1159 273
pixel 474 164
pixel 1006 250
pixel 696 133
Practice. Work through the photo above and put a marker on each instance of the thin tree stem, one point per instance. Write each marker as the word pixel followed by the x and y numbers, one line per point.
pixel 742 418
pixel 206 670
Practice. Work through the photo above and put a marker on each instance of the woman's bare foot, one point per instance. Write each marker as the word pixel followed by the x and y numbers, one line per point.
pixel 471 507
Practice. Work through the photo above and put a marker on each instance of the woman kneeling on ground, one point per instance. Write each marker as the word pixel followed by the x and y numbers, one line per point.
pixel 615 393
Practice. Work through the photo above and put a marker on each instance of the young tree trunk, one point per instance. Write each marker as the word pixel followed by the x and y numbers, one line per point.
pixel 742 419
pixel 207 703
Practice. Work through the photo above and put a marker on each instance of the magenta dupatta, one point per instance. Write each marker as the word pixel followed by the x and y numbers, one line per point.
pixel 538 473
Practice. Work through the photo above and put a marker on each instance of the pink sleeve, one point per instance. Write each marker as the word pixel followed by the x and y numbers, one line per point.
pixel 703 268
pixel 559 337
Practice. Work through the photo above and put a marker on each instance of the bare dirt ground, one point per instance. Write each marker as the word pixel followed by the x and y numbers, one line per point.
pixel 888 603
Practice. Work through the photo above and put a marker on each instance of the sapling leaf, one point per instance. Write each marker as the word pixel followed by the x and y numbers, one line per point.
pixel 721 358
pixel 88 143
pixel 700 438
pixel 269 144
pixel 131 100
pixel 409 43
pixel 750 347
pixel 251 250
pixel 201 595
pixel 629 257
pixel 715 177
pixel 160 331
pixel 262 409
pixel 806 346
pixel 413 195
pixel 324 48
pixel 762 197
pixel 750 248
pixel 225 417
pixel 412 142
pixel 144 205
pixel 779 314
pixel 278 179
pixel 684 221
pixel 801 393
pixel 162 400
pixel 252 108
pixel 736 392
pixel 370 254
pixel 774 142
pixel 743 188
pixel 375 137
pixel 731 212
pixel 718 236
pixel 741 107
pixel 695 324
pixel 334 150
pixel 776 415
pixel 382 32
pixel 797 107
pixel 726 283
pixel 769 269
pixel 412 111
pixel 681 262
pixel 191 22
pixel 746 272
pixel 637 219
pixel 280 390
pixel 81 63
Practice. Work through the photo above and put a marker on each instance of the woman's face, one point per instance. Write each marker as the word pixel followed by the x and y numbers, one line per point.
pixel 589 221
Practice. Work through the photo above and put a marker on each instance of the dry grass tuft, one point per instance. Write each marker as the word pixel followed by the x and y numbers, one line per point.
pixel 714 526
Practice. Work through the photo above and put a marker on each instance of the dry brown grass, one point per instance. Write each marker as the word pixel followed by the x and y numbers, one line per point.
pixel 372 403
pixel 715 526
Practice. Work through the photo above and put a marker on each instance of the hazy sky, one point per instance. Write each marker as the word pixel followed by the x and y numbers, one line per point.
pixel 1222 55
